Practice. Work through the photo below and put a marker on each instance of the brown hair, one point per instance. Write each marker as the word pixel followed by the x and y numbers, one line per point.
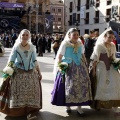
pixel 81 37
pixel 109 32
pixel 92 31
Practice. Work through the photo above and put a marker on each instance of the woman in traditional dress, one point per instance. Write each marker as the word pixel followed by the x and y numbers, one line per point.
pixel 105 79
pixel 75 90
pixel 25 95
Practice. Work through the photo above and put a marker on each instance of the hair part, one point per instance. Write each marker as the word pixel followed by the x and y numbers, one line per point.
pixel 24 30
pixel 72 30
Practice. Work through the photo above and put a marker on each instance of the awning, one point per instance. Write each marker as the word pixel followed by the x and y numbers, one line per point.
pixel 11 5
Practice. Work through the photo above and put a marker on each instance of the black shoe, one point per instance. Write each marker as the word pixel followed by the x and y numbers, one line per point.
pixel 81 114
pixel 68 111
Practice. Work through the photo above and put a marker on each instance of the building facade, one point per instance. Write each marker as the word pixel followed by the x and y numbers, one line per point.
pixel 57 10
pixel 89 15
pixel 33 14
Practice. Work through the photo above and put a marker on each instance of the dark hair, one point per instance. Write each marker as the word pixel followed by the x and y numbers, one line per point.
pixel 73 30
pixel 92 31
pixel 109 32
pixel 81 37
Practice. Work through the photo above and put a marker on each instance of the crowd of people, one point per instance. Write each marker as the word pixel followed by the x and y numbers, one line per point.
pixel 88 76
pixel 42 42
pixel 88 80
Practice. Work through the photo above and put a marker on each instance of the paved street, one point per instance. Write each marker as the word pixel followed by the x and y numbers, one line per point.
pixel 48 111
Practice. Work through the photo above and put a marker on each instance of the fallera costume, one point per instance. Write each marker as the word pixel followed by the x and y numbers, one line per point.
pixel 25 93
pixel 73 88
pixel 106 84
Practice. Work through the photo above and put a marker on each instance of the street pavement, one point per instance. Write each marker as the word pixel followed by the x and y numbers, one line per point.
pixel 50 112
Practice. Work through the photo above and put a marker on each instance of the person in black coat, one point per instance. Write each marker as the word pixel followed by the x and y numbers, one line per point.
pixel 35 42
pixel 14 37
pixel 49 43
pixel 40 45
pixel 44 43
pixel 89 45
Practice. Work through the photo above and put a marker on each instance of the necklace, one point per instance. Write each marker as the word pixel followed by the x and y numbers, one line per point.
pixel 24 45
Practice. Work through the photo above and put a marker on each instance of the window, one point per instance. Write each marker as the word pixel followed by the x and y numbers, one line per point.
pixel 59 10
pixel 74 18
pixel 87 18
pixel 86 31
pixel 70 20
pixel 78 18
pixel 97 3
pixel 96 30
pixel 108 15
pixel 96 18
pixel 108 12
pixel 87 4
pixel 79 5
pixel 71 6
pixel 40 8
pixel 59 19
pixel 109 2
pixel 79 32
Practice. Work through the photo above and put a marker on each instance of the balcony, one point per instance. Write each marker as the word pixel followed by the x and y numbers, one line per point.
pixel 15 12
pixel 109 2
pixel 86 20
pixel 96 19
pixel 70 23
pixel 87 6
pixel 78 8
pixel 97 4
pixel 70 9
pixel 107 18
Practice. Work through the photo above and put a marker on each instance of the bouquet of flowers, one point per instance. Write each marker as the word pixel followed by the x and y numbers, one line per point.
pixel 8 71
pixel 63 66
pixel 116 63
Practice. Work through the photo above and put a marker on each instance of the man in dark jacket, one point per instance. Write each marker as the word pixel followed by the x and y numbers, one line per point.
pixel 89 45
pixel 40 45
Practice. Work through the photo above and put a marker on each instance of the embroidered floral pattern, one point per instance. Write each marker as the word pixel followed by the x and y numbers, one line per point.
pixel 25 90
pixel 78 87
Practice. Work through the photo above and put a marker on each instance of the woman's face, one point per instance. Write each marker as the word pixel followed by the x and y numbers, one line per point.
pixel 109 38
pixel 74 36
pixel 25 36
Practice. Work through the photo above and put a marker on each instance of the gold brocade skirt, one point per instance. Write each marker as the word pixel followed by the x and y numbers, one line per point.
pixel 25 93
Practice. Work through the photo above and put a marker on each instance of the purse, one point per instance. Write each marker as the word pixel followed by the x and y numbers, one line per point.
pixel 4 96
